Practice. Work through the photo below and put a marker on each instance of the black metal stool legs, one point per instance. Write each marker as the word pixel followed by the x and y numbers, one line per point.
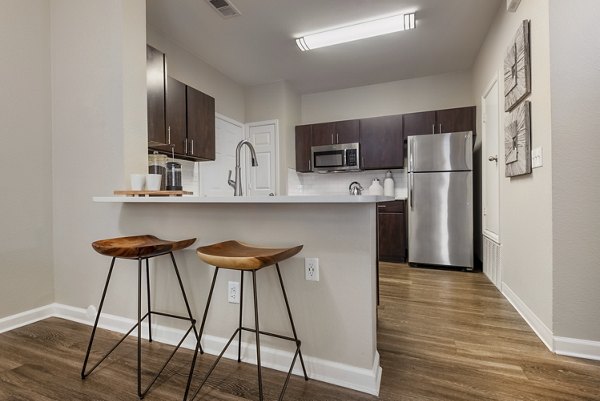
pixel 287 305
pixel 241 310
pixel 210 292
pixel 149 308
pixel 138 325
pixel 139 330
pixel 84 374
pixel 257 331
pixel 187 304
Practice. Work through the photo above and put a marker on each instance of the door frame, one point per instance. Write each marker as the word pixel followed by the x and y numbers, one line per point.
pixel 495 81
pixel 247 127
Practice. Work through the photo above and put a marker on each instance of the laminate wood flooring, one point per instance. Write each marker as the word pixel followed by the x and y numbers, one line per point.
pixel 443 335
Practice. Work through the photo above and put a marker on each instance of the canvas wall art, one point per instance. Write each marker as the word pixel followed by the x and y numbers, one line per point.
pixel 517 68
pixel 517 141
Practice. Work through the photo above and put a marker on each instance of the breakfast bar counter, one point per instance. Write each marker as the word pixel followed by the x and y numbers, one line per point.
pixel 335 317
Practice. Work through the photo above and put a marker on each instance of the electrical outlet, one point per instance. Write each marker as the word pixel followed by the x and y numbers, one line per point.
pixel 233 292
pixel 311 269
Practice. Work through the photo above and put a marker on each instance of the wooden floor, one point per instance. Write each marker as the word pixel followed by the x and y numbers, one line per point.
pixel 443 335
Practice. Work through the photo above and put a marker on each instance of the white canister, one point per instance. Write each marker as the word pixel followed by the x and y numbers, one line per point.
pixel 376 188
pixel 388 184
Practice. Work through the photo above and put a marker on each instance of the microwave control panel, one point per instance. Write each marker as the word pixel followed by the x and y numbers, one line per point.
pixel 351 158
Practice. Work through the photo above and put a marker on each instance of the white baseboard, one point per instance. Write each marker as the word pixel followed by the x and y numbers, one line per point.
pixel 24 318
pixel 352 377
pixel 542 331
pixel 578 348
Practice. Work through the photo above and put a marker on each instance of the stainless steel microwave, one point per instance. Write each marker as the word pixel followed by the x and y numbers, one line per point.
pixel 342 157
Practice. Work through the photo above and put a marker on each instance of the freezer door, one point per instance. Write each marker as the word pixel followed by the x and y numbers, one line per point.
pixel 441 152
pixel 440 218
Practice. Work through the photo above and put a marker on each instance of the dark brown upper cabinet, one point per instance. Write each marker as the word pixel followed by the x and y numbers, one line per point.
pixel 455 120
pixel 440 121
pixel 335 132
pixel 200 125
pixel 422 123
pixel 176 115
pixel 382 143
pixel 155 81
pixel 303 144
pixel 181 119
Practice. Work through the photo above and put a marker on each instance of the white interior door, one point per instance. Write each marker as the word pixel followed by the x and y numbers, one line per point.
pixel 262 180
pixel 213 175
pixel 491 130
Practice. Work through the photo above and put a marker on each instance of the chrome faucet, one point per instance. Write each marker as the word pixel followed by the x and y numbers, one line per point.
pixel 236 184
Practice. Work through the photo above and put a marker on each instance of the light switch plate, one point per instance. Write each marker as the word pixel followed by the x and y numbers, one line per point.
pixel 537 159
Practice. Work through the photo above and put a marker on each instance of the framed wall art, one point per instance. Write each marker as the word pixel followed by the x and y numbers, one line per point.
pixel 517 141
pixel 517 68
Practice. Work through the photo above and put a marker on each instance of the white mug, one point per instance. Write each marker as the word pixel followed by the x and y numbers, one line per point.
pixel 137 182
pixel 153 182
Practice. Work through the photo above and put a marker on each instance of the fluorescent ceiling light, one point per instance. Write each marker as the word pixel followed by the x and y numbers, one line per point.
pixel 358 31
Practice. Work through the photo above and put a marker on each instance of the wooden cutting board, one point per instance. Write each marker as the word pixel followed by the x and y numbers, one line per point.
pixel 152 193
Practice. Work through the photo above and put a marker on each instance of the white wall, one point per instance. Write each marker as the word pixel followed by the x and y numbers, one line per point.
pixel 397 97
pixel 525 202
pixel 575 75
pixel 26 157
pixel 189 69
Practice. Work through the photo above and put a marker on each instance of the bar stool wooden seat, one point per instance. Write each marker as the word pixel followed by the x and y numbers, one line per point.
pixel 235 255
pixel 140 247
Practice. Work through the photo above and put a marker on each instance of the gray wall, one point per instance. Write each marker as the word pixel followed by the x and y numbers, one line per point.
pixel 575 74
pixel 525 201
pixel 26 126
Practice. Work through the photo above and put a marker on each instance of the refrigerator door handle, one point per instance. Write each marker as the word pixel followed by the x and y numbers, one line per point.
pixel 412 154
pixel 467 150
pixel 411 185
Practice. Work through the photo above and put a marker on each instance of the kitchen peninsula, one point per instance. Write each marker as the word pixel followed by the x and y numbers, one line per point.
pixel 335 317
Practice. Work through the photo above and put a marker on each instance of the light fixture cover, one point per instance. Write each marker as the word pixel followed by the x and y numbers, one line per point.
pixel 358 31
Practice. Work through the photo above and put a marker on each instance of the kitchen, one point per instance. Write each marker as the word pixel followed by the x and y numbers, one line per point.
pixel 85 113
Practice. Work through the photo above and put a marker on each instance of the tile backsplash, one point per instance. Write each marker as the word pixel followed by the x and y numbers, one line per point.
pixel 337 183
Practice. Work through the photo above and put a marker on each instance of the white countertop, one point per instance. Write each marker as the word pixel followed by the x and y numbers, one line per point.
pixel 247 199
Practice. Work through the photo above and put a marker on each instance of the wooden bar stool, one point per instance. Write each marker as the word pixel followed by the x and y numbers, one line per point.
pixel 141 247
pixel 238 256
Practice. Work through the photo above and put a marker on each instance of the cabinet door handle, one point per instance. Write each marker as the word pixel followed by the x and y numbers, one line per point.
pixel 382 206
pixel 433 128
pixel 169 136
pixel 192 146
pixel 332 139
pixel 309 169
pixel 337 138
pixel 440 128
pixel 185 143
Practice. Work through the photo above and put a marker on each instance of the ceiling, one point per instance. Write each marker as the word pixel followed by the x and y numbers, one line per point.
pixel 258 46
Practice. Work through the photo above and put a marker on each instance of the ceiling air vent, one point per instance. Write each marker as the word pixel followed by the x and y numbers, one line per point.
pixel 224 7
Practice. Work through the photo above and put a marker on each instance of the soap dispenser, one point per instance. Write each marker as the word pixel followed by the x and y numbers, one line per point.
pixel 388 184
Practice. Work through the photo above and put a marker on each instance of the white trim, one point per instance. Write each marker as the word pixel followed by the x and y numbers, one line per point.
pixel 495 81
pixel 536 324
pixel 229 120
pixel 578 348
pixel 12 322
pixel 277 150
pixel 352 377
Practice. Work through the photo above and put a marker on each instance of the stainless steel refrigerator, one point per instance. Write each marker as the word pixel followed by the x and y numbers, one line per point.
pixel 440 199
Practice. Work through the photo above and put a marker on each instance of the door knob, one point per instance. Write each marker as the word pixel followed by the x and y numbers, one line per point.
pixel 493 158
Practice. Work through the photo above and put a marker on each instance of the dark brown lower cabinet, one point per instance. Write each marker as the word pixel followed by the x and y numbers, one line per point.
pixel 392 231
